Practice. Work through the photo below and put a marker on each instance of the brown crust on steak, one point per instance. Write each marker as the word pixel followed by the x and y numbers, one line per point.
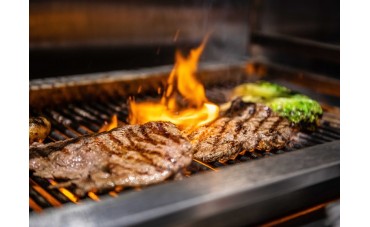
pixel 243 127
pixel 133 155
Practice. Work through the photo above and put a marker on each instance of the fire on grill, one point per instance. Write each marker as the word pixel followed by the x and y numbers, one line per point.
pixel 237 139
pixel 122 133
pixel 151 150
pixel 77 121
pixel 184 101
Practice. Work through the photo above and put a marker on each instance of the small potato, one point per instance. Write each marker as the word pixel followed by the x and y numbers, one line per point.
pixel 39 129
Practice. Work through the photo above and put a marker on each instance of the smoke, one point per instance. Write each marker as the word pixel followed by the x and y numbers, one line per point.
pixel 227 23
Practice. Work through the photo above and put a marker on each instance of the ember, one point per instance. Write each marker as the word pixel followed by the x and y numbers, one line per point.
pixel 184 102
pixel 111 125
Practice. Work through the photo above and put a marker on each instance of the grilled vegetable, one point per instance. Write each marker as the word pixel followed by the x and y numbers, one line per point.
pixel 298 108
pixel 261 90
pixel 39 129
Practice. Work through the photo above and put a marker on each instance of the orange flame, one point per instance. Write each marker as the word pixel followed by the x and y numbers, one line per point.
pixel 111 125
pixel 184 101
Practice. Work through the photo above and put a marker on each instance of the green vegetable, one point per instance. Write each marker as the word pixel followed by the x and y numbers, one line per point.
pixel 261 90
pixel 297 108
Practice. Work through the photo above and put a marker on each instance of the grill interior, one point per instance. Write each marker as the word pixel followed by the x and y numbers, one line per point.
pixel 74 118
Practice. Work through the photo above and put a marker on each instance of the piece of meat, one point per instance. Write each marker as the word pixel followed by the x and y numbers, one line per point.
pixel 132 155
pixel 244 127
pixel 39 129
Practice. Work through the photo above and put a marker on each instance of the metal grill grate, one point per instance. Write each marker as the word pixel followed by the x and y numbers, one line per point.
pixel 77 119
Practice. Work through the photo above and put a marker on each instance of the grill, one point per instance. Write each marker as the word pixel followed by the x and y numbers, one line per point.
pixel 251 186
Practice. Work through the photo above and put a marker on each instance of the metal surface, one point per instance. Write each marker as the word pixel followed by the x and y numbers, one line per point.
pixel 188 202
pixel 297 46
pixel 72 125
pixel 99 86
pixel 80 105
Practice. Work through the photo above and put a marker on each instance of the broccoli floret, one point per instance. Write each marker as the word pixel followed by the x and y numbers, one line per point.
pixel 297 108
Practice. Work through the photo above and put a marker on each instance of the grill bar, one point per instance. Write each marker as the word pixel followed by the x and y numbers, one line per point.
pixel 56 135
pixel 65 192
pixel 91 120
pixel 81 117
pixel 34 206
pixel 102 110
pixel 71 122
pixel 250 192
pixel 53 192
pixel 65 195
pixel 38 199
pixel 61 124
pixel 93 196
pixel 77 123
pixel 101 116
pixel 48 197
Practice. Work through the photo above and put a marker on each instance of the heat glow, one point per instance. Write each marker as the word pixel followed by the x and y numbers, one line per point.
pixel 184 101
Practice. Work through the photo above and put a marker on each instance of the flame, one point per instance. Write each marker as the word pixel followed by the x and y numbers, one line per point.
pixel 111 125
pixel 184 101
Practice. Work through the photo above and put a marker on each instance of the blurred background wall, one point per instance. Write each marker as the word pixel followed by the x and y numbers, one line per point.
pixel 72 37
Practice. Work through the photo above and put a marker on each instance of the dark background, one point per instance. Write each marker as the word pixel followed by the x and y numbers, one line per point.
pixel 74 37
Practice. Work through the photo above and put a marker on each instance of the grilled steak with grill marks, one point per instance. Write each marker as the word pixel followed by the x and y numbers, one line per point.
pixel 133 155
pixel 244 127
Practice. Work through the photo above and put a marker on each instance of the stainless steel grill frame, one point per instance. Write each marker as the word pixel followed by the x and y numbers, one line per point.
pixel 249 189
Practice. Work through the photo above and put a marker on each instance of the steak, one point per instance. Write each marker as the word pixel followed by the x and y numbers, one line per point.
pixel 243 127
pixel 132 155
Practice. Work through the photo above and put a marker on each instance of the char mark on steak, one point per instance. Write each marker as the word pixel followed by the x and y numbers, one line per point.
pixel 132 155
pixel 243 127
